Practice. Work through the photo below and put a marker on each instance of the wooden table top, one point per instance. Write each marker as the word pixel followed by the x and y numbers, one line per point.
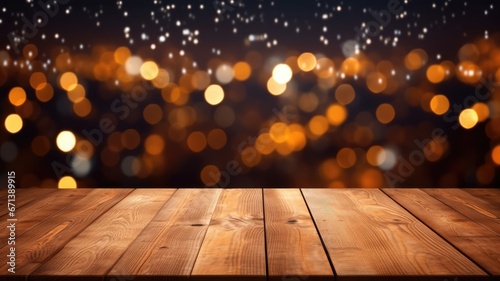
pixel 254 234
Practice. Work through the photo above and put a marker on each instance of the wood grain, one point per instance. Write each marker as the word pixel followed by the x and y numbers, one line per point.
pixel 25 196
pixel 491 195
pixel 477 242
pixel 367 234
pixel 234 244
pixel 169 244
pixel 480 211
pixel 92 253
pixel 294 248
pixel 52 234
pixel 37 210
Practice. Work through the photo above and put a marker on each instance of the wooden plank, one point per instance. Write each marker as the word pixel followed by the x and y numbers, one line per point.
pixel 35 211
pixel 294 248
pixel 36 246
pixel 367 234
pixel 169 244
pixel 234 246
pixel 477 242
pixel 25 196
pixel 480 211
pixel 491 195
pixel 91 254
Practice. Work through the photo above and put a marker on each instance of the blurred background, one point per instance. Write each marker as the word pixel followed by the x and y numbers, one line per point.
pixel 250 93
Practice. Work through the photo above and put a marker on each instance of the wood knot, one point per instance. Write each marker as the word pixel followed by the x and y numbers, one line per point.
pixel 197 224
pixel 292 221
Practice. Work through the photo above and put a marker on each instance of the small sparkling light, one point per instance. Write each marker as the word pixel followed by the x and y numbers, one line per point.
pixel 67 182
pixel 468 118
pixel 282 73
pixel 214 94
pixel 66 141
pixel 13 123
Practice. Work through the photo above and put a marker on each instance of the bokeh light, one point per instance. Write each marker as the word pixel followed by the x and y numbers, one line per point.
pixel 350 66
pixel 66 141
pixel 154 144
pixel 439 104
pixel 153 113
pixel 37 80
pixel 385 113
pixel 495 155
pixel 214 94
pixel 282 73
pixel 216 139
pixel 346 158
pixel 197 141
pixel 344 94
pixel 435 73
pixel 13 123
pixel 210 175
pixel 133 65
pixel 149 70
pixel 17 96
pixel 336 114
pixel 415 59
pixel 242 71
pixel 275 88
pixel 67 182
pixel 177 101
pixel 468 118
pixel 224 73
pixel 306 61
pixel 376 82
pixel 68 81
pixel 482 110
pixel 318 125
pixel 45 92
